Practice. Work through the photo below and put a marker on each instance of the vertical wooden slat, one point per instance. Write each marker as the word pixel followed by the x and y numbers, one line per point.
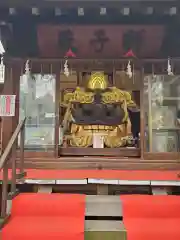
pixel 57 110
pixel 7 121
pixel 150 133
pixel 16 73
pixel 22 138
pixel 11 86
pixel 142 120
pixel 13 160
pixel 78 78
pixel 114 74
pixel 4 191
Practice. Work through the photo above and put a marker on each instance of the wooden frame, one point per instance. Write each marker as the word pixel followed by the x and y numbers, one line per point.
pixel 114 64
pixel 42 3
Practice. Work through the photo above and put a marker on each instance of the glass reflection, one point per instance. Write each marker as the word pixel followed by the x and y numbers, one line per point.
pixel 162 112
pixel 37 103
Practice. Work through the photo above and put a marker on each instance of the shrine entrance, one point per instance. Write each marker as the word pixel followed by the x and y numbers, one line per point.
pixel 93 113
pixel 99 118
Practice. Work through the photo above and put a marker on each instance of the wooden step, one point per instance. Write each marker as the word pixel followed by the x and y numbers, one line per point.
pixel 99 163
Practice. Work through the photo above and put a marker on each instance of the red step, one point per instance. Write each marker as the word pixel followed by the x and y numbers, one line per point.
pixel 102 174
pixel 46 216
pixel 151 217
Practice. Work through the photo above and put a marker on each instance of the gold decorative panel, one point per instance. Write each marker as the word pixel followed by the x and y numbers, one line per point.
pixel 98 81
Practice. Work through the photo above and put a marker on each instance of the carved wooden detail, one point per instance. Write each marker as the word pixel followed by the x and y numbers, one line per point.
pixel 122 81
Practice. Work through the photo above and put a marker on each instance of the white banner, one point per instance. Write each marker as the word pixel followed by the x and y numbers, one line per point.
pixel 7 105
pixel 2 71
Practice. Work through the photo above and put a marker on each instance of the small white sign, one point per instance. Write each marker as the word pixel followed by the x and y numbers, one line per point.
pixel 98 141
pixel 49 115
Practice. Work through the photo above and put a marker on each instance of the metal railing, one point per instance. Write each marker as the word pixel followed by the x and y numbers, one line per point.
pixel 8 161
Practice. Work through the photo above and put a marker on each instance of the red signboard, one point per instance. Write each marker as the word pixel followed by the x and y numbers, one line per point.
pixel 100 41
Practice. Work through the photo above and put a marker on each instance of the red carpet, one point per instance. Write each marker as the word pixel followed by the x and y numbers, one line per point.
pixel 149 217
pixel 101 174
pixel 46 216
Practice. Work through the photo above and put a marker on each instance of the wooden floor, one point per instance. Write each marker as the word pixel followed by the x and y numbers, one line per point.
pixel 98 162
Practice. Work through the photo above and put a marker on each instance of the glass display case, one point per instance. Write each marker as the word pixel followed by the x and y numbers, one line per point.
pixel 162 113
pixel 37 103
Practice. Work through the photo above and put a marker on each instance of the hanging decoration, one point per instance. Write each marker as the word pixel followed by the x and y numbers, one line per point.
pixel 66 68
pixel 129 54
pixel 25 78
pixel 27 68
pixel 68 54
pixel 169 68
pixel 2 70
pixel 129 70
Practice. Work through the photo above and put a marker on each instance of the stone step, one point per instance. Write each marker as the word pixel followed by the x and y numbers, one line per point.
pixel 104 230
pixel 103 205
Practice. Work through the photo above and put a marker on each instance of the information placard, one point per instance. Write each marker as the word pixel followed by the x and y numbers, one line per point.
pixel 7 105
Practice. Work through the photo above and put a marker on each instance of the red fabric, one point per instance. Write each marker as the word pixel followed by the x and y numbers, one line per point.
pixel 46 216
pixel 148 217
pixel 105 174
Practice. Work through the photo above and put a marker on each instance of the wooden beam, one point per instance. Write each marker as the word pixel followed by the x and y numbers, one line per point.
pixel 49 2
pixel 102 189
pixel 160 190
pixel 44 189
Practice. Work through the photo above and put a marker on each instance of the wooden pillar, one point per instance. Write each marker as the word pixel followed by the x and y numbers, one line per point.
pixel 57 110
pixel 16 74
pixel 102 189
pixel 7 121
pixel 142 117
pixel 11 86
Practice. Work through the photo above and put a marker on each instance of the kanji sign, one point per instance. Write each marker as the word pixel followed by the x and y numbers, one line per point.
pixel 7 105
pixel 100 41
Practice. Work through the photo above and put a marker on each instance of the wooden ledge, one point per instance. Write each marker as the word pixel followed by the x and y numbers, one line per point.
pixel 115 152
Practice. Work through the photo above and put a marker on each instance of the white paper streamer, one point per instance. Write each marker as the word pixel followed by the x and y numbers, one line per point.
pixel 2 71
pixel 129 71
